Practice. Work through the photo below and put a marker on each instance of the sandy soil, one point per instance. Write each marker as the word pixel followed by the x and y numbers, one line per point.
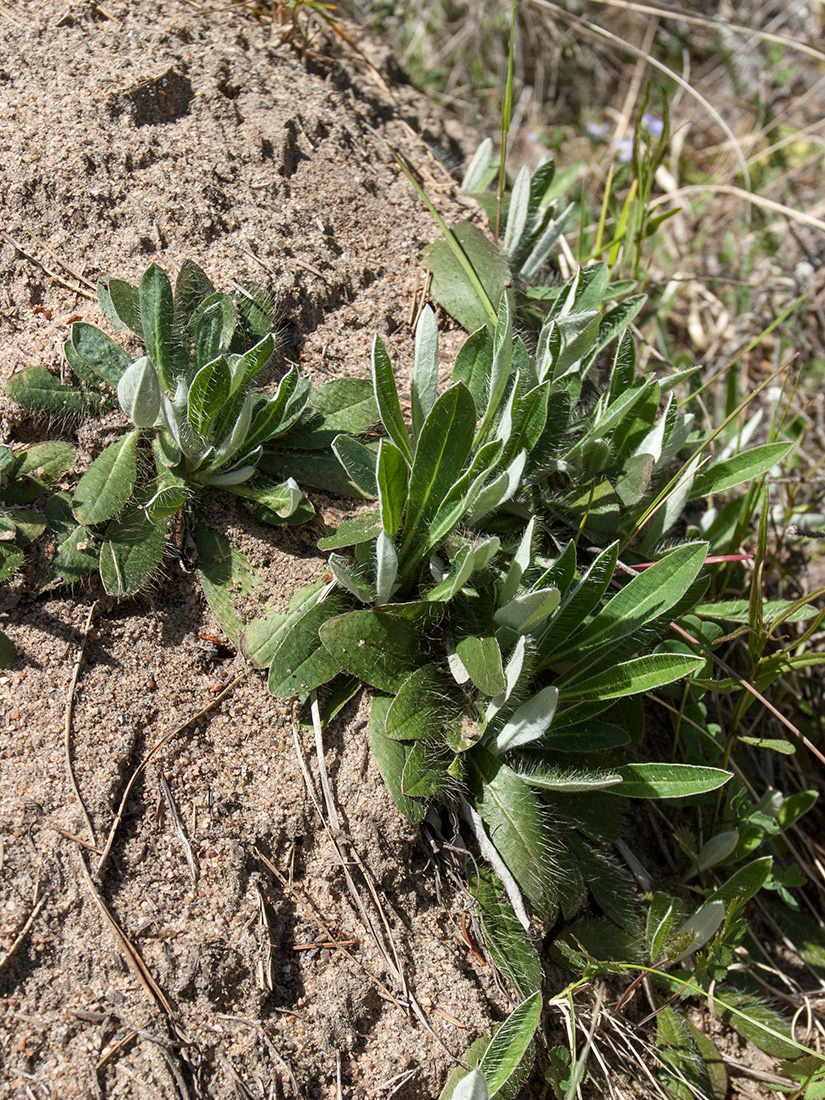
pixel 157 131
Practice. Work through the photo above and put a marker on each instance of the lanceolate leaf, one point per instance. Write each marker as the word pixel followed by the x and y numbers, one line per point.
pixel 386 397
pixel 157 320
pixel 391 474
pixel 301 662
pixel 359 462
pixel 668 780
pixel 511 813
pixel 426 702
pixel 510 1044
pixel 442 450
pixel 507 941
pixel 425 371
pixel 223 570
pixel 629 677
pixel 38 390
pixel 108 483
pixel 646 597
pixel 721 476
pixel 473 365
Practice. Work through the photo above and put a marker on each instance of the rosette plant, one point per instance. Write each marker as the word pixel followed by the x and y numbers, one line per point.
pixel 191 402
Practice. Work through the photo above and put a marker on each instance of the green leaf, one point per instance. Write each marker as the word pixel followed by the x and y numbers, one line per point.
pixel 320 469
pixel 192 287
pixel 481 656
pixel 426 770
pixel 425 704
pixel 99 352
pixel 530 721
pixel 11 558
pixel 24 525
pixel 510 1044
pixel 425 370
pixel 132 550
pixel 157 319
pixel 120 303
pixel 526 613
pixel 745 882
pixel 262 636
pixel 76 554
pixel 344 405
pixel 628 677
pixel 392 473
pixel 223 571
pixel 213 324
pixel 663 915
pixel 353 532
pixel 451 286
pixel 282 500
pixel 138 393
pixel 668 780
pixel 34 470
pixel 443 447
pixel 510 946
pixel 648 596
pixel 386 398
pixel 591 736
pixel 745 466
pixel 474 364
pixel 380 648
pixel 742 1010
pixel 39 391
pixel 513 817
pixel 359 462
pixel 301 663
pixel 208 394
pixel 698 1069
pixel 108 483
pixel 738 611
pixel 391 758
pixel 576 605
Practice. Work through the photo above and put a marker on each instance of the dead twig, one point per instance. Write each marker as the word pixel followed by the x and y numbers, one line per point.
pixel 52 274
pixel 67 726
pixel 24 931
pixel 179 831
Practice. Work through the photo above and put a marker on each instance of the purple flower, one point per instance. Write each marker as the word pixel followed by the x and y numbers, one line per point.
pixel 624 150
pixel 654 125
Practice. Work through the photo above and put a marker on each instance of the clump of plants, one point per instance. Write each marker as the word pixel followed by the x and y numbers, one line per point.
pixel 197 422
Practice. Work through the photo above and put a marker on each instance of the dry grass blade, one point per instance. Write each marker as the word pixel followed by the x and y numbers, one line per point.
pixel 747 196
pixel 179 831
pixel 82 291
pixel 593 31
pixel 130 952
pixel 692 19
pixel 19 939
